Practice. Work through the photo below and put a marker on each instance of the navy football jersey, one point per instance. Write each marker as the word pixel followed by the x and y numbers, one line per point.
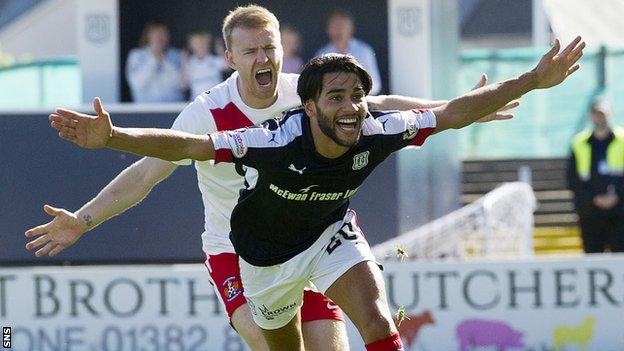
pixel 297 192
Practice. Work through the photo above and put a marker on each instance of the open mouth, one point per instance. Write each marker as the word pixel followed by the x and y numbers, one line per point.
pixel 347 125
pixel 264 77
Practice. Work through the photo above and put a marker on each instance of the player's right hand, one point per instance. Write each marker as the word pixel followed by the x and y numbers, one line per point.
pixel 555 66
pixel 86 131
pixel 55 236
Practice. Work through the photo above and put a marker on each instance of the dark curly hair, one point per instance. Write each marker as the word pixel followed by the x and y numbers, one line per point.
pixel 311 79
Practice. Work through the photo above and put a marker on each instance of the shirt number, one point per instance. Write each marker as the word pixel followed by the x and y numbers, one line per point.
pixel 346 232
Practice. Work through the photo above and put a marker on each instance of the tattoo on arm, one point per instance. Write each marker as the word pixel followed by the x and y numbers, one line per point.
pixel 88 220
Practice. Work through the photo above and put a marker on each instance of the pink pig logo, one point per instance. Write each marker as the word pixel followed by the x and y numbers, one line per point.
pixel 479 332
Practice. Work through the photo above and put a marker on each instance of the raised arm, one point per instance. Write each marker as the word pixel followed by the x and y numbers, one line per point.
pixel 399 102
pixel 93 132
pixel 552 69
pixel 166 144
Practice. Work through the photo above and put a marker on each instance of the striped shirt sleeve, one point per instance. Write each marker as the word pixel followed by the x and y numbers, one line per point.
pixel 233 146
pixel 420 124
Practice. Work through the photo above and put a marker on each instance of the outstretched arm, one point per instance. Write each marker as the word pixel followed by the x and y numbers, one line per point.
pixel 399 102
pixel 98 131
pixel 166 144
pixel 552 69
pixel 123 192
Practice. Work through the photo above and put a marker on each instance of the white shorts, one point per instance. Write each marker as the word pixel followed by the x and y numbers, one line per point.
pixel 275 293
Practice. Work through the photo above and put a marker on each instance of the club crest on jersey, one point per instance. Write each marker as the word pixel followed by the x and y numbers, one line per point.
pixel 360 160
pixel 231 288
pixel 238 145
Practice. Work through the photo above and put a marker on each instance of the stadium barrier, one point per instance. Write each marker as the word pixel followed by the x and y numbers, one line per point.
pixel 521 305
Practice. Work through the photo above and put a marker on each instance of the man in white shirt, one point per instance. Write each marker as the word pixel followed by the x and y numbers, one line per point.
pixel 340 30
pixel 202 69
pixel 153 70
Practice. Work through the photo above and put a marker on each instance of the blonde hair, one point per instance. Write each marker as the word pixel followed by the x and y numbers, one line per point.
pixel 249 17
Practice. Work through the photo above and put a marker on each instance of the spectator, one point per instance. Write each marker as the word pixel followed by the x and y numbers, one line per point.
pixel 153 70
pixel 340 29
pixel 202 70
pixel 595 175
pixel 291 40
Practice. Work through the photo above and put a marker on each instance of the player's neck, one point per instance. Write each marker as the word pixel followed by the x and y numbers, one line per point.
pixel 258 103
pixel 255 101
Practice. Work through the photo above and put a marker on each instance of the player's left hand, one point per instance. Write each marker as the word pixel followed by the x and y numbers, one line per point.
pixel 58 234
pixel 86 131
pixel 498 115
pixel 555 66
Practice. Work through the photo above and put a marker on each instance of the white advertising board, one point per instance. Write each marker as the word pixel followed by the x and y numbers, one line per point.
pixel 533 305
pixel 113 308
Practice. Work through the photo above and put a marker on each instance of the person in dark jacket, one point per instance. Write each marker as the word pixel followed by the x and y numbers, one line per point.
pixel 595 175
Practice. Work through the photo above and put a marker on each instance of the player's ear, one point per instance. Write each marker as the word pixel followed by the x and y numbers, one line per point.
pixel 310 108
pixel 229 58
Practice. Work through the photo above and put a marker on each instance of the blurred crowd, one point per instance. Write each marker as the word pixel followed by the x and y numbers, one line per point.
pixel 158 72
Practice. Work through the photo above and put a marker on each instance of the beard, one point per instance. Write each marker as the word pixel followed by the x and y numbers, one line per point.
pixel 328 128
